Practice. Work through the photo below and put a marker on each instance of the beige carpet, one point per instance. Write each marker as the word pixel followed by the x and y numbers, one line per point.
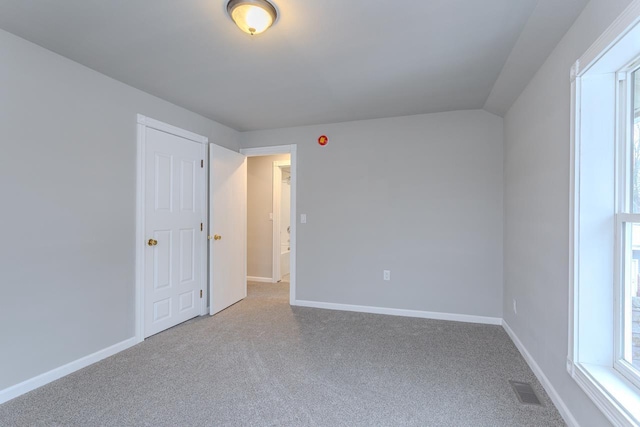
pixel 263 363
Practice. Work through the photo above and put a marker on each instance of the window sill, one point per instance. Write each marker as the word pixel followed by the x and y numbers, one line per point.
pixel 616 397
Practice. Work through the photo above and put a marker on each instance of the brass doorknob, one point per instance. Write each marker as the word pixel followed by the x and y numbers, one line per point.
pixel 217 237
pixel 152 242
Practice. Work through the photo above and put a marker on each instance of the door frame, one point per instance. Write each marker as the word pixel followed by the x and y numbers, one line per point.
pixel 292 151
pixel 143 123
pixel 276 273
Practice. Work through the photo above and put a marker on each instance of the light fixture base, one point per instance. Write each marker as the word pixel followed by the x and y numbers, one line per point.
pixel 252 16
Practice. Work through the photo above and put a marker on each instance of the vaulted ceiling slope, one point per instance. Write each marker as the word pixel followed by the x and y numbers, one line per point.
pixel 323 61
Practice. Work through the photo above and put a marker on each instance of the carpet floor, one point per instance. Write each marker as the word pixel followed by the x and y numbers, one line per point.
pixel 264 363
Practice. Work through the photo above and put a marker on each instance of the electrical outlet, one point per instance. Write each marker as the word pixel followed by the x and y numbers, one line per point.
pixel 515 306
pixel 303 218
pixel 386 274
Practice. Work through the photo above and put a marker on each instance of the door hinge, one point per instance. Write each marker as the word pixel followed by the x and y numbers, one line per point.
pixel 201 227
pixel 200 293
pixel 201 163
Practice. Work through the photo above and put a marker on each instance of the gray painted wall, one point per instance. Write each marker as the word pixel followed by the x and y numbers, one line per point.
pixel 419 195
pixel 67 188
pixel 259 206
pixel 536 244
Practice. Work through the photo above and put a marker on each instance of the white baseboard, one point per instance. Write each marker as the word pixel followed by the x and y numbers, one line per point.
pixel 553 394
pixel 260 279
pixel 54 374
pixel 33 383
pixel 401 312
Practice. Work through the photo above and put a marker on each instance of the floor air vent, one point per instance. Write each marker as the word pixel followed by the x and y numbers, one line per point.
pixel 525 393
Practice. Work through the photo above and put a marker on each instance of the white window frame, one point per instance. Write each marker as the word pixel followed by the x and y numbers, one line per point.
pixel 599 172
pixel 622 307
pixel 624 218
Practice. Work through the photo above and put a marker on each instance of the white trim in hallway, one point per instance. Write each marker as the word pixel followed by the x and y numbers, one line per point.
pixel 259 279
pixel 276 246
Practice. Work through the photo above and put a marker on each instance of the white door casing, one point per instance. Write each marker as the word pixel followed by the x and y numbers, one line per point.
pixel 228 228
pixel 171 221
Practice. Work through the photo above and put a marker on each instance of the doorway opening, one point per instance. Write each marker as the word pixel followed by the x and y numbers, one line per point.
pixel 271 213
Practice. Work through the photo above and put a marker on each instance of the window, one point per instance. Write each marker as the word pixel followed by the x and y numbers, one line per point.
pixel 627 360
pixel 604 332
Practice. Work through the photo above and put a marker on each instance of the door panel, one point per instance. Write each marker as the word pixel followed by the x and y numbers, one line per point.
pixel 174 209
pixel 163 179
pixel 187 255
pixel 187 301
pixel 162 260
pixel 188 186
pixel 228 219
pixel 162 309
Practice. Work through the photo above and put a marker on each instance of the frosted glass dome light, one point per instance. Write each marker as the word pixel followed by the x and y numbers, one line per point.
pixel 252 16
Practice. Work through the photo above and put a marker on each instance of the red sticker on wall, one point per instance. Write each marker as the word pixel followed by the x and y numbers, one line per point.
pixel 323 140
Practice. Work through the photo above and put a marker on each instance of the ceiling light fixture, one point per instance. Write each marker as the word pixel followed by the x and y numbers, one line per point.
pixel 252 16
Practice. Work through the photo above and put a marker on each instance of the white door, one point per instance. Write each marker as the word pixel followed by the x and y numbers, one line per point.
pixel 228 227
pixel 174 211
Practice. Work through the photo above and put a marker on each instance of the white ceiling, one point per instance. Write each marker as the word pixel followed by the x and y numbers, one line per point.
pixel 324 61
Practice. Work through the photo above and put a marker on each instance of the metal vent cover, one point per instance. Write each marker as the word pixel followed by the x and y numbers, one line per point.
pixel 525 393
